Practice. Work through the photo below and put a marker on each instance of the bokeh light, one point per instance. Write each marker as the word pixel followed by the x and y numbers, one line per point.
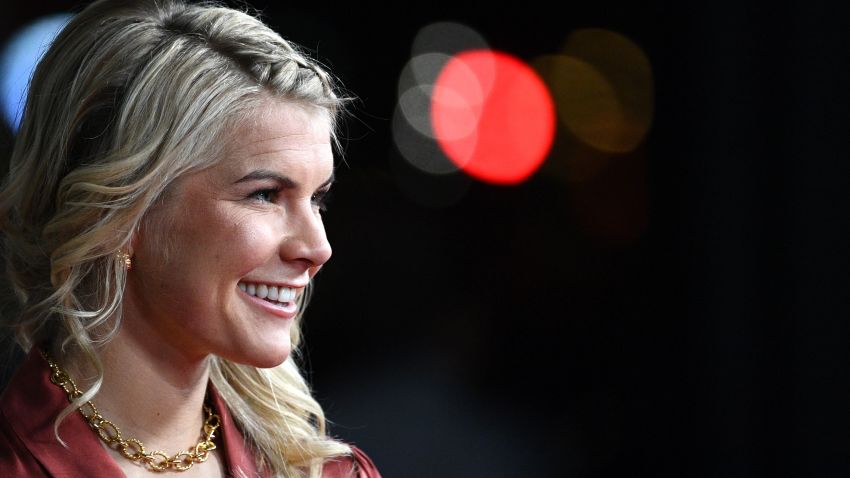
pixel 493 116
pixel 603 86
pixel 587 103
pixel 18 60
pixel 414 106
pixel 422 69
pixel 416 146
pixel 414 89
pixel 447 38
pixel 412 130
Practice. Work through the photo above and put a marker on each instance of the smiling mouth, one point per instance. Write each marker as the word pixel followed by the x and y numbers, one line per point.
pixel 280 296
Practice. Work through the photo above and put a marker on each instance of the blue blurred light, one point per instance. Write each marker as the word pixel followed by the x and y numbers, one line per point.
pixel 18 59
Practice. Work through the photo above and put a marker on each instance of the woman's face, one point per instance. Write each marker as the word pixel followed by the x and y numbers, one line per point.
pixel 219 263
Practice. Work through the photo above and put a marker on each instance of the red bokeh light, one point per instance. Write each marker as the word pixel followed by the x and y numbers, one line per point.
pixel 493 116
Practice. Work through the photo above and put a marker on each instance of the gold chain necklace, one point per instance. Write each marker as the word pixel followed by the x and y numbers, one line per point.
pixel 132 448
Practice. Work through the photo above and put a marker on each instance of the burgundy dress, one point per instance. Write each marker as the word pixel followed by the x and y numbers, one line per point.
pixel 28 447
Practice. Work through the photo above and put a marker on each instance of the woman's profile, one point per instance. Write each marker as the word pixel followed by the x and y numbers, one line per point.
pixel 161 224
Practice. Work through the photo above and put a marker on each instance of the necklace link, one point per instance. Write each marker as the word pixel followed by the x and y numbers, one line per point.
pixel 132 448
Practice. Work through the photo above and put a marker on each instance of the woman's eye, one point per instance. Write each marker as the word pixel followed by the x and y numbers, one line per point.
pixel 320 200
pixel 264 195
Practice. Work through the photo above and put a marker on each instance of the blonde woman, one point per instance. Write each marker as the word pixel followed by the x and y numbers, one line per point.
pixel 161 224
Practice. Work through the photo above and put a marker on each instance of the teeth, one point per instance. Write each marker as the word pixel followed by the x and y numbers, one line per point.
pixel 272 293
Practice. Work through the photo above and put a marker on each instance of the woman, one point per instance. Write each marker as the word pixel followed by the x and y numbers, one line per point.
pixel 161 223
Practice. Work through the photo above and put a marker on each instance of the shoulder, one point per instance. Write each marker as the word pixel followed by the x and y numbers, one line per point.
pixel 356 465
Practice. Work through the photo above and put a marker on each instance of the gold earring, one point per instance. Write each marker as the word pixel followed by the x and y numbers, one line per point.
pixel 126 259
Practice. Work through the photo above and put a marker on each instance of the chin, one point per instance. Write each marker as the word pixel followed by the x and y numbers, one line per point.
pixel 267 354
pixel 273 359
pixel 271 356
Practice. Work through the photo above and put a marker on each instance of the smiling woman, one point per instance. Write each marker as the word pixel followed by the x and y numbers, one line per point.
pixel 162 221
pixel 253 220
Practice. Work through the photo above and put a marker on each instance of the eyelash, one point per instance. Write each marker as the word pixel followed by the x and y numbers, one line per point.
pixel 319 199
pixel 271 192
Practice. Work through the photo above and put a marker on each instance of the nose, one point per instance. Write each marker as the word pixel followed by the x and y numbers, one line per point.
pixel 306 241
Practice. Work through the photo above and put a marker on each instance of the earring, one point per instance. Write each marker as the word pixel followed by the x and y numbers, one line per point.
pixel 125 258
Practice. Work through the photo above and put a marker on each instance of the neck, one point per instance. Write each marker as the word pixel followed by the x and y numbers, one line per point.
pixel 151 391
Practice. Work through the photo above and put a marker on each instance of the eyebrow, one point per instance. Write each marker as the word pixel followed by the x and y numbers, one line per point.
pixel 285 182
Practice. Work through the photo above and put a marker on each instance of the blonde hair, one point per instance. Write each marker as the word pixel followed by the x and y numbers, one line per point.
pixel 131 96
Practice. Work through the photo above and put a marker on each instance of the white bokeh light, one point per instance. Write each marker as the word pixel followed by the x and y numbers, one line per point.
pixel 413 134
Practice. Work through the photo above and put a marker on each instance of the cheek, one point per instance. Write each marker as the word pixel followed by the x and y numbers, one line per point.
pixel 213 246
pixel 247 244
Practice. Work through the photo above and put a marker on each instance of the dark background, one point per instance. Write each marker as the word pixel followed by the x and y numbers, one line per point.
pixel 515 333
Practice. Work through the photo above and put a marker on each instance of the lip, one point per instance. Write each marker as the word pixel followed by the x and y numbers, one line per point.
pixel 287 312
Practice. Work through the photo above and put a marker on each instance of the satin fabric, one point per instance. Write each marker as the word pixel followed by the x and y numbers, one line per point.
pixel 28 446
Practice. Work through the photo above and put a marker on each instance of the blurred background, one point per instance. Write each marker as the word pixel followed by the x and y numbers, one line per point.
pixel 595 239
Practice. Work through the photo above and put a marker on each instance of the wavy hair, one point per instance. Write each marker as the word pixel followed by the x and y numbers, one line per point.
pixel 131 96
